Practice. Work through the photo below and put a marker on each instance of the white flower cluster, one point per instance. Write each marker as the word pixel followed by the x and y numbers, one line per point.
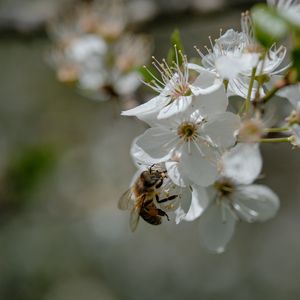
pixel 94 49
pixel 211 154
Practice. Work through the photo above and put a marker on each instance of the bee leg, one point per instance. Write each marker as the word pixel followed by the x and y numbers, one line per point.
pixel 159 184
pixel 162 213
pixel 166 199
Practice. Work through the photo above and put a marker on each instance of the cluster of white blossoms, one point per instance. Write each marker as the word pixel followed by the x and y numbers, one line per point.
pixel 211 152
pixel 93 48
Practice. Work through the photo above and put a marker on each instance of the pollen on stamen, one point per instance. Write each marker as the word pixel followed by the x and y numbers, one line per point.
pixel 173 80
pixel 188 131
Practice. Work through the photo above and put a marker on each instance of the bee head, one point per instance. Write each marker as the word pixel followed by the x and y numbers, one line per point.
pixel 153 175
pixel 158 171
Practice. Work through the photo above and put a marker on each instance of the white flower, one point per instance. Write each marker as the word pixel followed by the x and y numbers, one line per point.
pixel 174 89
pixel 234 55
pixel 290 9
pixel 84 47
pixel 234 197
pixel 198 135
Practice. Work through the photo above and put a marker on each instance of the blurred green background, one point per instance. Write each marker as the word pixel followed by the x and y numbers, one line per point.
pixel 64 162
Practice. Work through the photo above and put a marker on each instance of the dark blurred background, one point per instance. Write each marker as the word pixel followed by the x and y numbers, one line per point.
pixel 64 162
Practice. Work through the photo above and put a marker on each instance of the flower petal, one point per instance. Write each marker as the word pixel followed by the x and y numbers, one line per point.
pixel 140 157
pixel 213 103
pixel 291 93
pixel 202 170
pixel 148 110
pixel 255 202
pixel 176 106
pixel 206 83
pixel 185 198
pixel 199 203
pixel 221 129
pixel 242 163
pixel 158 143
pixel 176 173
pixel 216 226
pixel 228 67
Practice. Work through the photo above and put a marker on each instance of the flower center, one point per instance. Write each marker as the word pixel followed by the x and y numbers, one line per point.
pixel 188 131
pixel 180 88
pixel 251 131
pixel 225 187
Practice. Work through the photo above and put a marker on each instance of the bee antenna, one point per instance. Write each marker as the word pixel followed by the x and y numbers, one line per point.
pixel 150 169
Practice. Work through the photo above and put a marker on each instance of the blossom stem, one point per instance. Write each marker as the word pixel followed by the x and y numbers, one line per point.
pixel 248 99
pixel 276 140
pixel 270 94
pixel 278 129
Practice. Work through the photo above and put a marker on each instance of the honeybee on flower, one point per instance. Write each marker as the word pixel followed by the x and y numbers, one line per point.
pixel 211 151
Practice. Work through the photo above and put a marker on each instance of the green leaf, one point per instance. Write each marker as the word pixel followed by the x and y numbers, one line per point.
pixel 269 27
pixel 296 62
pixel 177 45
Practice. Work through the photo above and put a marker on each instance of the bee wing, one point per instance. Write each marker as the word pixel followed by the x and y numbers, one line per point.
pixel 125 199
pixel 134 218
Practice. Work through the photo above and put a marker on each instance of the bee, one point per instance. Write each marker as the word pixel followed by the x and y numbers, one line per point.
pixel 145 189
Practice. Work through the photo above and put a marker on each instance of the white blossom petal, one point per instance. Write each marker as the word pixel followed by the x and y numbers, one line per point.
pixel 147 111
pixel 255 202
pixel 221 129
pixel 199 203
pixel 200 170
pixel 206 83
pixel 185 198
pixel 292 93
pixel 228 67
pixel 140 157
pixel 176 173
pixel 216 227
pixel 211 104
pixel 158 143
pixel 242 163
pixel 176 106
